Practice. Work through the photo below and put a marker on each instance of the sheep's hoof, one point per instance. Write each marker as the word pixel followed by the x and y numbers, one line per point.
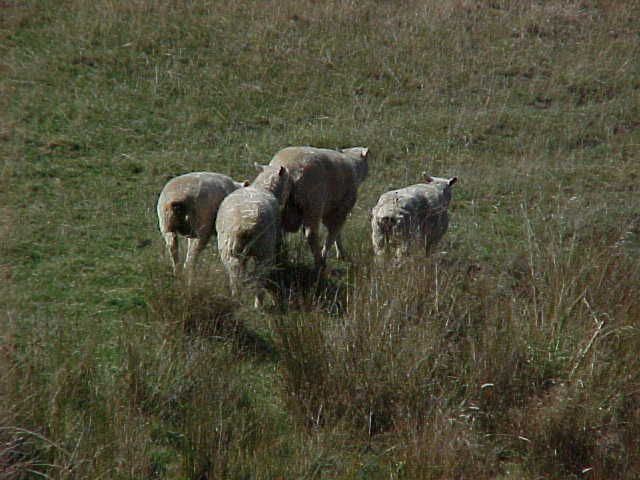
pixel 258 301
pixel 320 271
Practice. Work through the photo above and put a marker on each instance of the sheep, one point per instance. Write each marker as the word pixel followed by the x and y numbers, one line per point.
pixel 248 226
pixel 417 214
pixel 325 188
pixel 187 206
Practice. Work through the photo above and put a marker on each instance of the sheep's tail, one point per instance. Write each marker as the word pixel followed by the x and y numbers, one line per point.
pixel 291 217
pixel 233 244
pixel 176 217
pixel 239 243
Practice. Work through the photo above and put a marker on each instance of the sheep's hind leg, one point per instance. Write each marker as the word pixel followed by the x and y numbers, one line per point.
pixel 313 240
pixel 194 249
pixel 341 252
pixel 333 236
pixel 171 242
pixel 235 270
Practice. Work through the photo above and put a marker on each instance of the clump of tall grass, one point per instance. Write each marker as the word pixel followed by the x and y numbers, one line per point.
pixel 443 350
pixel 181 394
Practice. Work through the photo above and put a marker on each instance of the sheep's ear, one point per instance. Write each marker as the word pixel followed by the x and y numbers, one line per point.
pixel 427 178
pixel 364 153
pixel 258 166
pixel 453 180
pixel 246 183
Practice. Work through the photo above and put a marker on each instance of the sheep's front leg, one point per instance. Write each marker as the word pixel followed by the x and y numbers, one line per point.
pixel 171 242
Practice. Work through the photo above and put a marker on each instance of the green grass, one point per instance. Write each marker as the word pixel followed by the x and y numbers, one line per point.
pixel 510 356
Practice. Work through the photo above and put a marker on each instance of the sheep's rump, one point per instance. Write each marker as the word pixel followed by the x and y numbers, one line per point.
pixel 188 204
pixel 248 225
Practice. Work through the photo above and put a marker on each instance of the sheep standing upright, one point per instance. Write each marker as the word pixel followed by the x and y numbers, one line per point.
pixel 325 189
pixel 415 215
pixel 188 206
pixel 248 226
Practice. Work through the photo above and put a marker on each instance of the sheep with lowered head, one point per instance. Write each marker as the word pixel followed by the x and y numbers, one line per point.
pixel 248 226
pixel 188 206
pixel 414 215
pixel 325 189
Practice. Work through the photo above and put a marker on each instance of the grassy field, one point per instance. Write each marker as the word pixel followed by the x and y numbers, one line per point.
pixel 511 353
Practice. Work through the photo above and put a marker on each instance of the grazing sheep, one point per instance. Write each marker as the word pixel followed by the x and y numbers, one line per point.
pixel 325 188
pixel 248 226
pixel 417 214
pixel 188 206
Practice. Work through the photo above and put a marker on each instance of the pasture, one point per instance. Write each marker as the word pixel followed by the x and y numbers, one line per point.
pixel 510 353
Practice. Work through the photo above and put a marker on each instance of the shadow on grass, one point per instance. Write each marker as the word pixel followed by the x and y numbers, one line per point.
pixel 300 287
pixel 197 312
pixel 202 309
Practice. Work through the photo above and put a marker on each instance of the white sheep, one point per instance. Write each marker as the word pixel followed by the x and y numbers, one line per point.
pixel 188 206
pixel 248 226
pixel 325 189
pixel 415 215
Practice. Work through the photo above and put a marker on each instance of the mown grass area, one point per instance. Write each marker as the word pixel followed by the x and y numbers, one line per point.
pixel 511 353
